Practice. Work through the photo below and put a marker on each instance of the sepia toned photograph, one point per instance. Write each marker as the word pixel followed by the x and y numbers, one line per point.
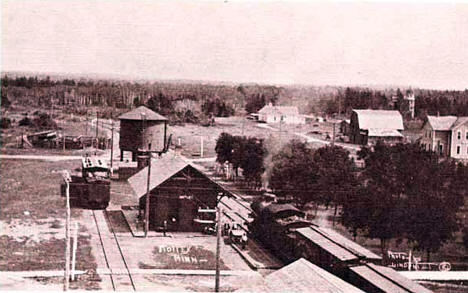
pixel 234 146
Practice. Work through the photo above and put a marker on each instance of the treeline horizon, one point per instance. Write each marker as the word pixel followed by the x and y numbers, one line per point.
pixel 198 102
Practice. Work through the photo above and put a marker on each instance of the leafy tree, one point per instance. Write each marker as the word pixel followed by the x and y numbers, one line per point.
pixel 255 103
pixel 161 104
pixel 336 175
pixel 5 102
pixel 224 147
pixel 294 173
pixel 410 193
pixel 252 160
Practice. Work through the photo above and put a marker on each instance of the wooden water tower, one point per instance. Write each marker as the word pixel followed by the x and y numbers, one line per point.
pixel 142 130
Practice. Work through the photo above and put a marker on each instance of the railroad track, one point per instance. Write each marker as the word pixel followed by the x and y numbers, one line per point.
pixel 120 275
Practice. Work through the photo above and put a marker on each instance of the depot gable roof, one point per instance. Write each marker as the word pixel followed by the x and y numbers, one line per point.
pixel 162 169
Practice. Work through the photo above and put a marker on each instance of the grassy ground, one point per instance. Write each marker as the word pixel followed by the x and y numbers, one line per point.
pixel 190 141
pixel 32 187
pixel 32 216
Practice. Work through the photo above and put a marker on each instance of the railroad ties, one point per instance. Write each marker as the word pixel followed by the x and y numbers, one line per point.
pixel 117 267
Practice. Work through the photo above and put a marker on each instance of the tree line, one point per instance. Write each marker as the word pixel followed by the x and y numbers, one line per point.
pixel 427 102
pixel 403 191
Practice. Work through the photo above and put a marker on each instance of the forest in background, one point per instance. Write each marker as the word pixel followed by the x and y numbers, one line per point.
pixel 193 102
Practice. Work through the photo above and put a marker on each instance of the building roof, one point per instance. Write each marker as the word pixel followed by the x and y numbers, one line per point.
pixel 384 132
pixel 387 279
pixel 285 110
pixel 326 244
pixel 135 114
pixel 278 210
pixel 162 169
pixel 347 243
pixel 303 276
pixel 441 123
pixel 381 119
pixel 460 121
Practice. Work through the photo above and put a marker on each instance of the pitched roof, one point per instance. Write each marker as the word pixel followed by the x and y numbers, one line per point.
pixel 135 114
pixel 460 121
pixel 441 122
pixel 285 110
pixel 303 276
pixel 387 279
pixel 162 169
pixel 327 244
pixel 384 132
pixel 382 119
pixel 349 244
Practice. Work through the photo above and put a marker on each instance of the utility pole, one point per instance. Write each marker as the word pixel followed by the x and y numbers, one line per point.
pixel 112 146
pixel 147 204
pixel 66 283
pixel 218 246
pixel 75 244
pixel 333 136
pixel 86 122
pixel 201 146
pixel 148 157
pixel 97 124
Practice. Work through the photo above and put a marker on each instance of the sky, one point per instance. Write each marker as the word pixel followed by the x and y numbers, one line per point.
pixel 408 44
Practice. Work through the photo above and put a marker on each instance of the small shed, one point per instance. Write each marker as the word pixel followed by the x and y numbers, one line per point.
pixel 303 276
pixel 180 194
pixel 142 129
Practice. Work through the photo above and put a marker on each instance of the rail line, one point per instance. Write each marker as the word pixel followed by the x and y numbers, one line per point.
pixel 114 281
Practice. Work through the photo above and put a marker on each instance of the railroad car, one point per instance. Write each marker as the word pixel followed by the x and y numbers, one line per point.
pixel 91 189
pixel 283 229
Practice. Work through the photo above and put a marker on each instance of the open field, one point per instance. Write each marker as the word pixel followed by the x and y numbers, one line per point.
pixel 32 217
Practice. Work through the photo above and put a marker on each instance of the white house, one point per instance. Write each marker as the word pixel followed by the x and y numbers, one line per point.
pixel 277 114
pixel 446 135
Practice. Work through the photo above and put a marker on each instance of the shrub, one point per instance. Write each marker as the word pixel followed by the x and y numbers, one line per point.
pixel 25 121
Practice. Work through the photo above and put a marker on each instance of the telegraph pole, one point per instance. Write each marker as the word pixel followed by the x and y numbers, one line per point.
pixel 66 283
pixel 333 136
pixel 112 146
pixel 97 124
pixel 218 246
pixel 147 204
pixel 148 157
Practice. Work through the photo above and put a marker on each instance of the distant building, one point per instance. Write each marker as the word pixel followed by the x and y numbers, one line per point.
pixel 277 114
pixel 142 129
pixel 369 126
pixel 446 135
pixel 180 195
pixel 344 126
pixel 411 103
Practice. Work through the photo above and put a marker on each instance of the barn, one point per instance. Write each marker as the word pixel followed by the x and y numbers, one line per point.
pixel 180 195
pixel 369 126
pixel 142 129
